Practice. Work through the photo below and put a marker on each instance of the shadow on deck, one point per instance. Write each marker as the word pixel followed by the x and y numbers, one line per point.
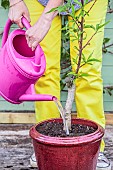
pixel 16 146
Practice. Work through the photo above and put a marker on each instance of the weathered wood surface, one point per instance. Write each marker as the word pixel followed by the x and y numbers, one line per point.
pixel 16 146
pixel 109 143
pixel 29 117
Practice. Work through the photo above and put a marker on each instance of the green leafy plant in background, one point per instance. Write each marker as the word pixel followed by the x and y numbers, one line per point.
pixel 107 48
pixel 106 41
pixel 5 3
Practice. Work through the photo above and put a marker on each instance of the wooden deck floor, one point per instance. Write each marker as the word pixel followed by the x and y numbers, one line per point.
pixel 16 146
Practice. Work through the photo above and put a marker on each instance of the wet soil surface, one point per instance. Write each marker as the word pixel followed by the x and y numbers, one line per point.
pixel 55 129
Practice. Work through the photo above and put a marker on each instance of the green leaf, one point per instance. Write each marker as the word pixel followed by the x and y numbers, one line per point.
pixel 5 4
pixel 62 85
pixel 75 60
pixel 52 10
pixel 106 40
pixel 63 29
pixel 77 2
pixel 93 59
pixel 89 63
pixel 89 26
pixel 90 56
pixel 75 47
pixel 102 25
pixel 73 73
pixel 73 9
pixel 60 9
pixel 83 74
pixel 98 26
pixel 74 39
pixel 83 58
pixel 85 2
pixel 104 50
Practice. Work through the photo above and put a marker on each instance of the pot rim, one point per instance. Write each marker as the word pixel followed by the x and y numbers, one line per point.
pixel 68 141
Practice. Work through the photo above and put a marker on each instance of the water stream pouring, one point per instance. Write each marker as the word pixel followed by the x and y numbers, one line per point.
pixel 20 67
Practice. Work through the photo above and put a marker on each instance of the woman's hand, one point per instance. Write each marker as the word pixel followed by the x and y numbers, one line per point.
pixel 16 12
pixel 38 31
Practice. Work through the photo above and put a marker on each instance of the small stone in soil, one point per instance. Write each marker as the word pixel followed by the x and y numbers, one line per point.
pixel 55 129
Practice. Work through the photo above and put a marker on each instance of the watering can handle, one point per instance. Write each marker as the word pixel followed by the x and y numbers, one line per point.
pixel 25 23
pixel 7 28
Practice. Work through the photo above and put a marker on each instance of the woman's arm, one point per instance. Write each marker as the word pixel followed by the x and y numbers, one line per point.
pixel 52 4
pixel 38 31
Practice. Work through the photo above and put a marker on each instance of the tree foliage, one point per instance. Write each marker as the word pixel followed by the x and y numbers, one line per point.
pixel 5 3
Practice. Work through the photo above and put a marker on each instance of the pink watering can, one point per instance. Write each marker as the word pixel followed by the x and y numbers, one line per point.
pixel 20 67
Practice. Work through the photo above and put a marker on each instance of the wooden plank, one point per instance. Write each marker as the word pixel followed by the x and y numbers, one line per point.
pixel 107 59
pixel 3 16
pixel 109 119
pixel 15 147
pixel 108 98
pixel 108 106
pixel 107 74
pixel 108 33
pixel 17 117
pixel 29 118
pixel 109 18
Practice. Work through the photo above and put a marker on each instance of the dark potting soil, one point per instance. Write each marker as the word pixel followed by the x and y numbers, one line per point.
pixel 55 129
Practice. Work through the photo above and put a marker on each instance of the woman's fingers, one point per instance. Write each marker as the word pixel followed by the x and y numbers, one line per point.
pixel 19 22
pixel 32 43
pixel 37 32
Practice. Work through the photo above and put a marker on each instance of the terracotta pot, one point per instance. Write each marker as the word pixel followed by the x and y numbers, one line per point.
pixel 67 153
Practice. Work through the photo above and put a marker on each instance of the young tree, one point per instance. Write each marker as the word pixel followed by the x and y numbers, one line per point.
pixel 76 29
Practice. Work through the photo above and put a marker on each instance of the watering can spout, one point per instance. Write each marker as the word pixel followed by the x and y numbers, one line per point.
pixel 30 95
pixel 37 97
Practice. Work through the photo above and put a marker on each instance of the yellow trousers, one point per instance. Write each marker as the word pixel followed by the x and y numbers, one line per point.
pixel 89 90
